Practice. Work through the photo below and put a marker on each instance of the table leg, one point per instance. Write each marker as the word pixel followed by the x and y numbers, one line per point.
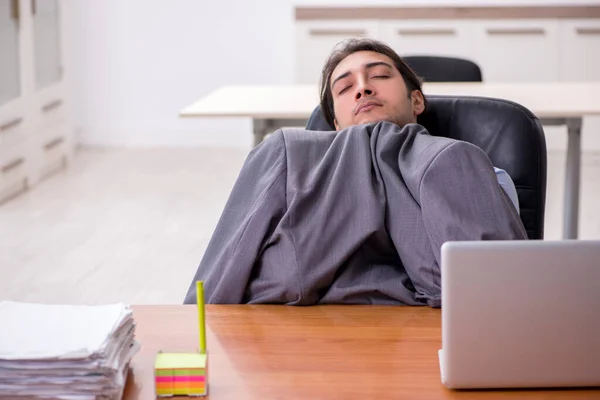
pixel 572 179
pixel 260 127
pixel 263 126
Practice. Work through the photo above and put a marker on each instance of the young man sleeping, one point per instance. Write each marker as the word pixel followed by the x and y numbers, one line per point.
pixel 356 215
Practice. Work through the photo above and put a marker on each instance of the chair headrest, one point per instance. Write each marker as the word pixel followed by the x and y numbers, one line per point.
pixel 444 69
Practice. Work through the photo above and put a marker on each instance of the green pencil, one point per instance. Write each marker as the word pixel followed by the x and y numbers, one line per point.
pixel 201 320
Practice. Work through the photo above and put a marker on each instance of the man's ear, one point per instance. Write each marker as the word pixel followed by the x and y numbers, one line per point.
pixel 418 102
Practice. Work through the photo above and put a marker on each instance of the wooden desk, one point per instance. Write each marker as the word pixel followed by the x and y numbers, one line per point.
pixel 327 352
pixel 555 103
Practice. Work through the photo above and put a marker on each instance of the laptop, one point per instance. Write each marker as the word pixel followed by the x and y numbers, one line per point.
pixel 520 314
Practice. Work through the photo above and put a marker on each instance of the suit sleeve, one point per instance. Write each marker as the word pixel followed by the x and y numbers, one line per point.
pixel 461 199
pixel 256 203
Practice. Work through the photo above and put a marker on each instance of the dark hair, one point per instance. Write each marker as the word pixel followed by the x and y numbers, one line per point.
pixel 349 46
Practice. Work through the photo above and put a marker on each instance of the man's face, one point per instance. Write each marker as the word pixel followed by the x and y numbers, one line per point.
pixel 367 87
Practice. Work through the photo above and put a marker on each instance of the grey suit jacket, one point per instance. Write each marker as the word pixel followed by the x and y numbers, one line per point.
pixel 351 217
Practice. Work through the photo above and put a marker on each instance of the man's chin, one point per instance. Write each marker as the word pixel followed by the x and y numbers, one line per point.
pixel 375 119
pixel 368 119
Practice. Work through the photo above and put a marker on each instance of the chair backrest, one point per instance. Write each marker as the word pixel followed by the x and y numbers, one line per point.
pixel 507 132
pixel 444 69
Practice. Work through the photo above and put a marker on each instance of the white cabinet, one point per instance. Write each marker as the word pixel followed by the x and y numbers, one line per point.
pixel 580 50
pixel 316 39
pixel 431 37
pixel 521 51
pixel 13 172
pixel 13 120
pixel 506 50
pixel 35 128
pixel 580 61
pixel 53 151
pixel 518 50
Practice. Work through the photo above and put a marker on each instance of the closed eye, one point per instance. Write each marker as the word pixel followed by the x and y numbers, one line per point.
pixel 382 76
pixel 344 89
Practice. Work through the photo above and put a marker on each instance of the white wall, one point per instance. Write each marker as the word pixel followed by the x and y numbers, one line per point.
pixel 134 64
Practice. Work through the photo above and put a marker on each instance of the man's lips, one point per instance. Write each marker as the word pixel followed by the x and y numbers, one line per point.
pixel 366 106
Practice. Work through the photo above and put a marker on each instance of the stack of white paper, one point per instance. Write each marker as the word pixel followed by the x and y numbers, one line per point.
pixel 65 351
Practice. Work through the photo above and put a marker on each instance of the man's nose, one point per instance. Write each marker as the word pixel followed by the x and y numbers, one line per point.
pixel 363 89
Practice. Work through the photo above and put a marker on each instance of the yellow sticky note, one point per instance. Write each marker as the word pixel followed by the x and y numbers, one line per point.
pixel 180 360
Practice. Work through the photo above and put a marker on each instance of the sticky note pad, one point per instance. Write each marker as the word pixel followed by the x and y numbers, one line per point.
pixel 181 374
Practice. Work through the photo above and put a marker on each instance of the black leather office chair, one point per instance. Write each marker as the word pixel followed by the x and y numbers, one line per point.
pixel 510 134
pixel 444 69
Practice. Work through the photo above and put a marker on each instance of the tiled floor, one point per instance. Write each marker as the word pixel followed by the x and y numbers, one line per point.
pixel 132 225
